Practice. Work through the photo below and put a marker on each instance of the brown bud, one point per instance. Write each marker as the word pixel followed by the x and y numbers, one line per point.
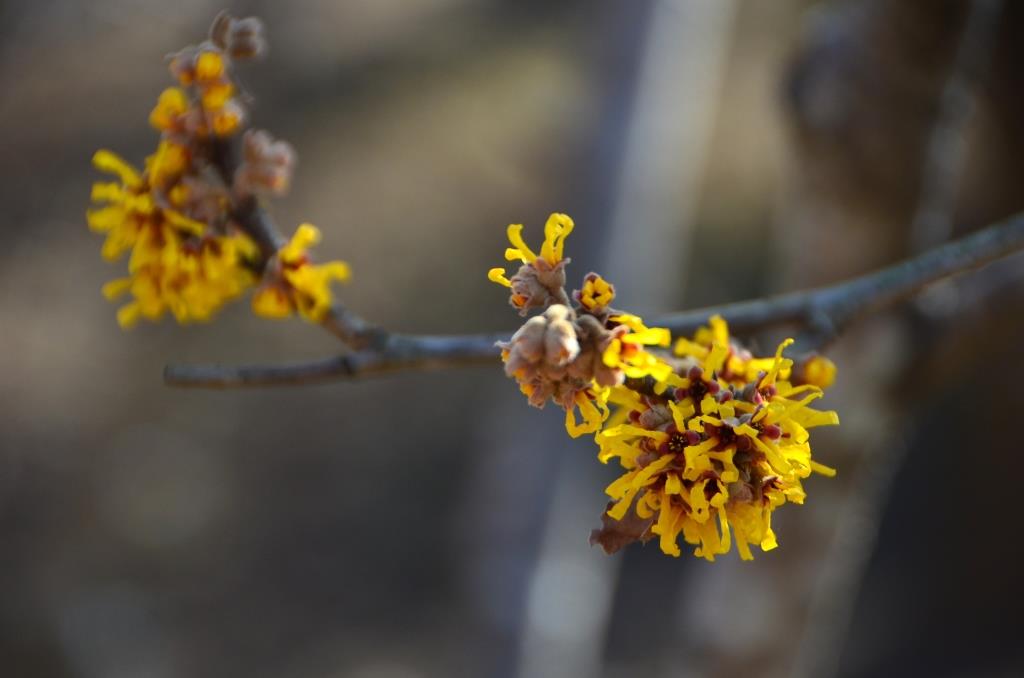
pixel 594 338
pixel 267 164
pixel 240 38
pixel 219 29
pixel 655 417
pixel 182 64
pixel 541 355
pixel 545 343
pixel 204 201
pixel 538 285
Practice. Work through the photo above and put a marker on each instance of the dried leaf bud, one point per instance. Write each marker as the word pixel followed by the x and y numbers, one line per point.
pixel 220 27
pixel 227 120
pixel 537 285
pixel 202 200
pixel 543 345
pixel 560 344
pixel 267 164
pixel 594 338
pixel 540 355
pixel 655 417
pixel 241 38
pixel 245 40
pixel 182 65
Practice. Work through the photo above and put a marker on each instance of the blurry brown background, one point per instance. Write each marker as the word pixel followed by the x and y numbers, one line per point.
pixel 431 524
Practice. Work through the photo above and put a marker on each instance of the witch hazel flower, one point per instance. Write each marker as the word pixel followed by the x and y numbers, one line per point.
pixel 715 449
pixel 576 352
pixel 182 218
pixel 711 439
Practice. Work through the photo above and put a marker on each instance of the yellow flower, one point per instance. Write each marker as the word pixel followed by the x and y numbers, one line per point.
pixel 593 407
pixel 626 351
pixel 226 120
pixel 166 166
pixel 217 96
pixel 556 230
pixel 176 265
pixel 713 459
pixel 597 292
pixel 170 106
pixel 300 285
pixel 714 349
pixel 129 206
pixel 209 66
pixel 193 283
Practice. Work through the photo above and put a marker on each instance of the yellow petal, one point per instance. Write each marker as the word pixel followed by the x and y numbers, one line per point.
pixel 716 358
pixel 115 288
pixel 105 219
pixel 778 363
pixel 107 191
pixel 719 330
pixel 618 512
pixel 647 505
pixel 128 316
pixel 524 253
pixel 672 484
pixel 171 104
pixel 667 520
pixel 270 301
pixel 822 469
pixel 557 227
pixel 108 161
pixel 306 235
pixel 336 270
pixel 497 275
pixel 179 220
pixel 209 66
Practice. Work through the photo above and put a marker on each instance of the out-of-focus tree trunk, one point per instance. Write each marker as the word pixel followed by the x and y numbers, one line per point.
pixel 863 95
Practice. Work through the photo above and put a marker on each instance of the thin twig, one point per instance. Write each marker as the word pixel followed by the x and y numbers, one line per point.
pixel 398 352
pixel 839 305
pixel 833 307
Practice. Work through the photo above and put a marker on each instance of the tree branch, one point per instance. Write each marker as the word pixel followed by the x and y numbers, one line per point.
pixel 828 310
pixel 398 352
pixel 841 304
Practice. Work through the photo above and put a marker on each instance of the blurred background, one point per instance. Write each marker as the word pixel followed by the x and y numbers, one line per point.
pixel 429 525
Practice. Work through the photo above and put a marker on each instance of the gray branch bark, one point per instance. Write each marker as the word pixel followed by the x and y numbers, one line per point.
pixel 826 311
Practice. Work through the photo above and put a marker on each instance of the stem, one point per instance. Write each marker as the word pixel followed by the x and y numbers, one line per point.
pixel 830 308
pixel 398 352
pixel 840 304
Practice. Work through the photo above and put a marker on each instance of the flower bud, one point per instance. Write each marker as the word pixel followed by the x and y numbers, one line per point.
pixel 267 164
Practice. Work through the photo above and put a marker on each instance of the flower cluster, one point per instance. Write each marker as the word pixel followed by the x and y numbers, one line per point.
pixel 291 283
pixel 178 263
pixel 714 449
pixel 574 353
pixel 185 217
pixel 711 439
